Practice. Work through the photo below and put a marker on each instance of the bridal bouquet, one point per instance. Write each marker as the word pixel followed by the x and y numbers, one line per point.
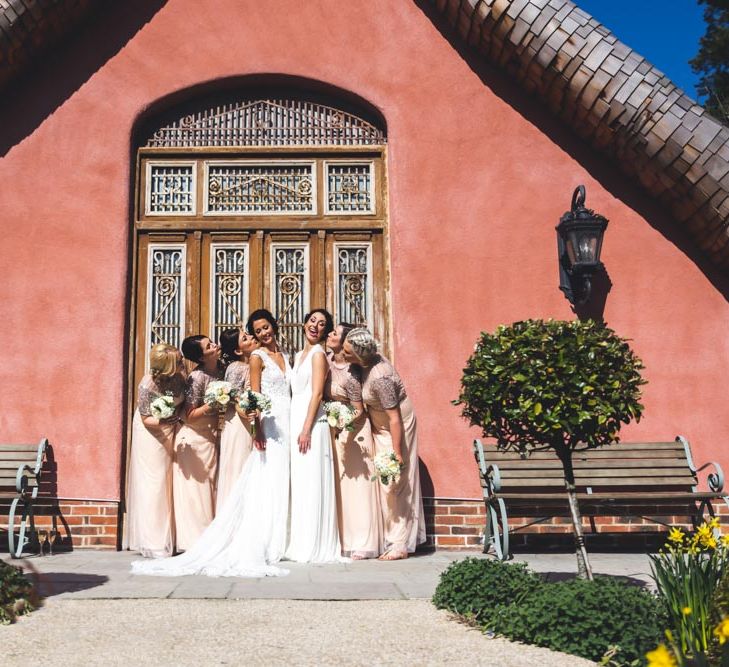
pixel 387 468
pixel 218 394
pixel 250 400
pixel 339 415
pixel 163 407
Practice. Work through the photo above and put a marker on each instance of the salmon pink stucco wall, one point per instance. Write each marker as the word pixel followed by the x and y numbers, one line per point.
pixel 477 175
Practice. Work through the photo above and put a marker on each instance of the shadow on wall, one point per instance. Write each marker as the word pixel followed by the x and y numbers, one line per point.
pixel 57 75
pixel 596 164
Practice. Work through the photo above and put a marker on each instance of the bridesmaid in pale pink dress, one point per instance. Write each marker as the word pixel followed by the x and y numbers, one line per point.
pixel 195 464
pixel 150 522
pixel 235 441
pixel 358 499
pixel 394 429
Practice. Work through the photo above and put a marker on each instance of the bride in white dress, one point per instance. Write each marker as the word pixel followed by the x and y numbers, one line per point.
pixel 249 534
pixel 314 535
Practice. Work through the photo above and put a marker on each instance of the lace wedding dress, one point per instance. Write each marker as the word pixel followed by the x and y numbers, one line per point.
pixel 249 534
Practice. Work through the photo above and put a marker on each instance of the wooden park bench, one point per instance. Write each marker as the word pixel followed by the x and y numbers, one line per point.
pixel 611 481
pixel 20 481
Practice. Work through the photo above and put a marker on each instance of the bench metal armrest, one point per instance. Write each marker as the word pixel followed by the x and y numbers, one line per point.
pixel 21 480
pixel 489 472
pixel 715 479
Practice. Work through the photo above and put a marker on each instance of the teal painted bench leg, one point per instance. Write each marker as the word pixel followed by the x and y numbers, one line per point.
pixel 27 517
pixel 497 529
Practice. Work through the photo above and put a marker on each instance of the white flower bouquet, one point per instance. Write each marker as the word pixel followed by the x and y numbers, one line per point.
pixel 250 400
pixel 339 415
pixel 387 468
pixel 162 407
pixel 219 394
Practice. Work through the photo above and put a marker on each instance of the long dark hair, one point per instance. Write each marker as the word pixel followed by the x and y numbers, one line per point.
pixel 261 314
pixel 192 349
pixel 328 321
pixel 228 346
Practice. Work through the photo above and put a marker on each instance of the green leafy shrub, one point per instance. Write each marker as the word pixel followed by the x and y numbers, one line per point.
pixel 474 587
pixel 586 618
pixel 16 594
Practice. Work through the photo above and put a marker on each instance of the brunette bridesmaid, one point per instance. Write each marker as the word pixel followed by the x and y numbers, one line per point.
pixel 151 529
pixel 394 429
pixel 358 499
pixel 195 463
pixel 235 440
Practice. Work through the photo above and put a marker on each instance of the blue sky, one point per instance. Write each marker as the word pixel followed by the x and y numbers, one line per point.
pixel 666 32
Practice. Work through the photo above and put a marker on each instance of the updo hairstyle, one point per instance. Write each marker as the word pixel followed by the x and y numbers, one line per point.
pixel 328 321
pixel 363 344
pixel 261 314
pixel 192 348
pixel 229 346
pixel 163 361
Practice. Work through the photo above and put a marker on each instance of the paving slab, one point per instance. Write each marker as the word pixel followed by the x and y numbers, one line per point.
pixel 106 575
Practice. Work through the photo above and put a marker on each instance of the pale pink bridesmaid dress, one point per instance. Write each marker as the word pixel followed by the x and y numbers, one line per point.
pixel 402 503
pixel 358 498
pixel 195 465
pixel 235 440
pixel 150 527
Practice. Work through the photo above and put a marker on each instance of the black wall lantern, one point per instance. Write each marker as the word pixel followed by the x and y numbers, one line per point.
pixel 579 242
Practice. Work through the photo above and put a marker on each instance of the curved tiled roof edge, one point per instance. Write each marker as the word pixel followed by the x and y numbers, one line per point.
pixel 615 99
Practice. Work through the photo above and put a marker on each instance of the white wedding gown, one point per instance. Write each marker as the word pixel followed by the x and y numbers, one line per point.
pixel 313 533
pixel 249 534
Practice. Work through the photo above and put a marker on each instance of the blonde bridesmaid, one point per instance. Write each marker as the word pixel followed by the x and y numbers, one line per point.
pixel 358 499
pixel 195 463
pixel 394 429
pixel 150 522
pixel 235 441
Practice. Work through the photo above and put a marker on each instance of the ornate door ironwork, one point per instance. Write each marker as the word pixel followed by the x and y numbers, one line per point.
pixel 166 294
pixel 290 292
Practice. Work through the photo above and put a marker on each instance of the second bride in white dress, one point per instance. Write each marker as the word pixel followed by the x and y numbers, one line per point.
pixel 314 534
pixel 249 533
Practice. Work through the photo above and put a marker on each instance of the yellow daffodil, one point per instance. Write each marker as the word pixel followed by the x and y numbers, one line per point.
pixel 686 611
pixel 714 524
pixel 661 657
pixel 676 535
pixel 721 631
pixel 725 540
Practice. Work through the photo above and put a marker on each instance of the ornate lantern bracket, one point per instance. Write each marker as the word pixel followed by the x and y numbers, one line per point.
pixel 579 244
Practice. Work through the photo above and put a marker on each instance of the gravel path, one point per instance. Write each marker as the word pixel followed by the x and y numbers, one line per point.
pixel 258 632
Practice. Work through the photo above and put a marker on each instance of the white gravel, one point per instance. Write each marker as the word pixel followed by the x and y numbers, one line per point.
pixel 257 632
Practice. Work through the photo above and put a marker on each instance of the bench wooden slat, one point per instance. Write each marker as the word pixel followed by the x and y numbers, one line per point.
pixel 19 454
pixel 631 497
pixel 19 448
pixel 587 474
pixel 590 465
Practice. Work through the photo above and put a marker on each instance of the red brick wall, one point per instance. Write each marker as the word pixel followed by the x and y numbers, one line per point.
pixel 459 524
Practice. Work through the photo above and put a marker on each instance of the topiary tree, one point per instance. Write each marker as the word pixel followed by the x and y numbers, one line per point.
pixel 553 385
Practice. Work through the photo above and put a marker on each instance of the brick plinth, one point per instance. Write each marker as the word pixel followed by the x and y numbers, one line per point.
pixel 459 524
pixel 74 524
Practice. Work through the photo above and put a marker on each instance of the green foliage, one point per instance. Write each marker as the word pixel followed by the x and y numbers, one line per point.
pixel 475 587
pixel 712 60
pixel 555 383
pixel 585 618
pixel 16 594
pixel 687 572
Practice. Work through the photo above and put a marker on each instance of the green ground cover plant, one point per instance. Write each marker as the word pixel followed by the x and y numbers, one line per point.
pixel 16 593
pixel 591 619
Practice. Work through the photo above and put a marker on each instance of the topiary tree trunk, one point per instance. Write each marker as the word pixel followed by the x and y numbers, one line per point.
pixel 584 569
